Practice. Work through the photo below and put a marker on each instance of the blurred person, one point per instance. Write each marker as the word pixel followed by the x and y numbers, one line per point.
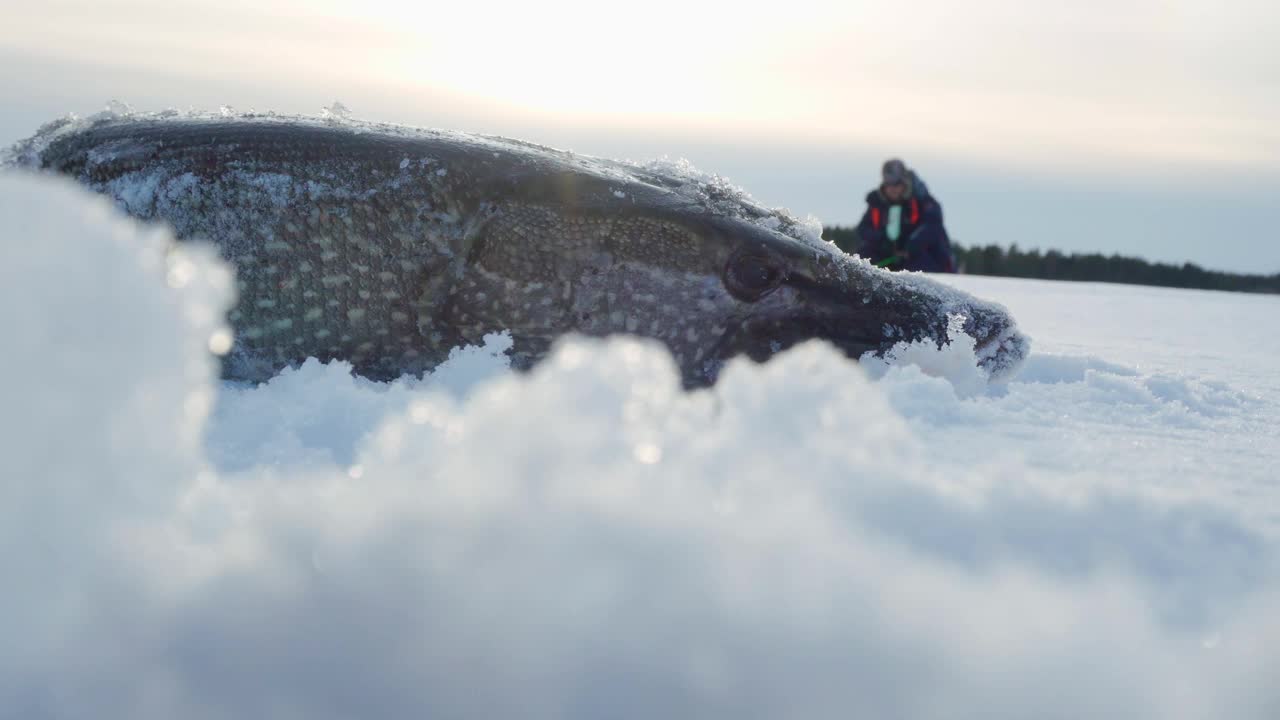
pixel 902 228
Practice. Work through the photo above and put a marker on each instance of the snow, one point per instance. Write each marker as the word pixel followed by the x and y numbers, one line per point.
pixel 1094 537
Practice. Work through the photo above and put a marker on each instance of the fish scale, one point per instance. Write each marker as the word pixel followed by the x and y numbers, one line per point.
pixel 314 276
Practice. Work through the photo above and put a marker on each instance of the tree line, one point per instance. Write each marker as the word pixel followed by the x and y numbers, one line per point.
pixel 1089 267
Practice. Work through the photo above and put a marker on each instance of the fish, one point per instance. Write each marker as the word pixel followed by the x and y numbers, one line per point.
pixel 387 246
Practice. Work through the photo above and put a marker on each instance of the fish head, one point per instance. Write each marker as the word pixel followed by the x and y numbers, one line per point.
pixel 764 291
pixel 697 266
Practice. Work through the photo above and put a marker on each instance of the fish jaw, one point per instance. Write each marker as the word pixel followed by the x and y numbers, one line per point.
pixel 861 309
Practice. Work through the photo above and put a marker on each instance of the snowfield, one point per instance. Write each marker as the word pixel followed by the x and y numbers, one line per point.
pixel 812 538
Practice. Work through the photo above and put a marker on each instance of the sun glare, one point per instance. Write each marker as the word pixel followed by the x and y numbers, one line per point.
pixel 575 57
pixel 811 71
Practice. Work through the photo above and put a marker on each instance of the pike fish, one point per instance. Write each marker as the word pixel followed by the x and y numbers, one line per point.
pixel 386 246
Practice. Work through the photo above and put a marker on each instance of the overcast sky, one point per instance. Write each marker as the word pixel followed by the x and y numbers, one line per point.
pixel 1147 127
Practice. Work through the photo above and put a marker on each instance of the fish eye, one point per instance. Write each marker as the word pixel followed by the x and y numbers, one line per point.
pixel 750 277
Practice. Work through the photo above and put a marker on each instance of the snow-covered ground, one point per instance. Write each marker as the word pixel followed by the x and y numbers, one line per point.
pixel 812 538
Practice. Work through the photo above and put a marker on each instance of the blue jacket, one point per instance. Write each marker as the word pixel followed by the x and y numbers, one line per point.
pixel 922 242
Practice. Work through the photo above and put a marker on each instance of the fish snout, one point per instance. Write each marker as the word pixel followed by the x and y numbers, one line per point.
pixel 999 346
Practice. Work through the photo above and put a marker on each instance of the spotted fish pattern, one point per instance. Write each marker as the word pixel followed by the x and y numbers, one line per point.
pixel 386 247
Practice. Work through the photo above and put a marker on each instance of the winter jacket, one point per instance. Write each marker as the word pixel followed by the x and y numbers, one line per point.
pixel 921 242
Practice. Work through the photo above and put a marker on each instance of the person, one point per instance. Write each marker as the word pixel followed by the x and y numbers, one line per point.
pixel 902 228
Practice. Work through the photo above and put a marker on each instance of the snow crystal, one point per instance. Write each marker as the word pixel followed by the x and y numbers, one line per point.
pixel 118 108
pixel 277 187
pixel 337 112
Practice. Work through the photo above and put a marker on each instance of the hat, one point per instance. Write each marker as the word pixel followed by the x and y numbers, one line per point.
pixel 894 171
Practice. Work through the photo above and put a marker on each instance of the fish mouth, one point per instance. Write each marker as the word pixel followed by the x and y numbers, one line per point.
pixel 998 351
pixel 858 328
pixel 761 338
pixel 1001 352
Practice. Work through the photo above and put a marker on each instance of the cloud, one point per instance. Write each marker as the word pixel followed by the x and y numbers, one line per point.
pixel 1167 85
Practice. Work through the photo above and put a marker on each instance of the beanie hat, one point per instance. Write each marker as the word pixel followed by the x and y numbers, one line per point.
pixel 894 172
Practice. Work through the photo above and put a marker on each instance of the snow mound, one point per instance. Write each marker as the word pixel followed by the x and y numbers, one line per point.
pixel 1067 368
pixel 584 540
pixel 956 361
pixel 317 413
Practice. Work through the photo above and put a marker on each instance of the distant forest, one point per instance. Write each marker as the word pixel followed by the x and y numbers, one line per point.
pixel 1092 267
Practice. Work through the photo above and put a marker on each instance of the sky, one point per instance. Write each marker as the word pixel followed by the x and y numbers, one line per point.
pixel 1142 127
